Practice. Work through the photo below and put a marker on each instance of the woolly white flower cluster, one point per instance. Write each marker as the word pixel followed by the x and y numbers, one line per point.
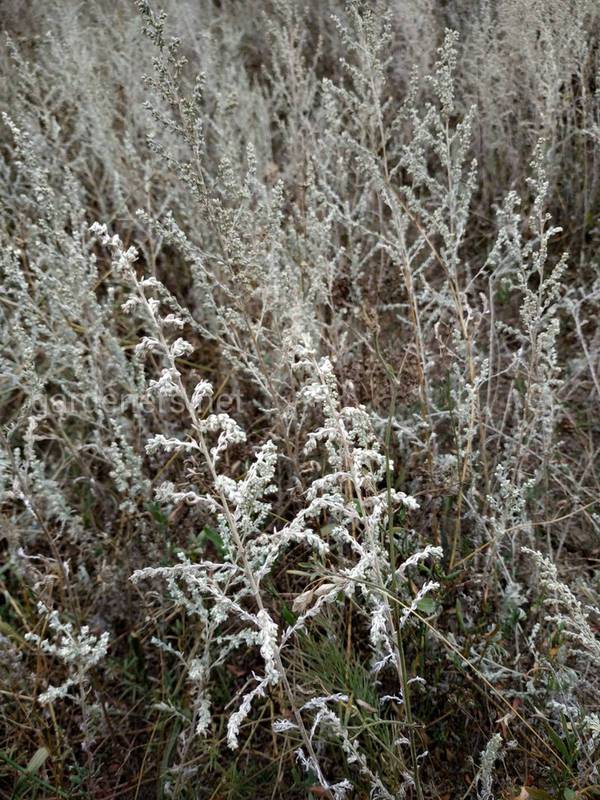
pixel 348 495
pixel 359 513
pixel 572 616
pixel 80 651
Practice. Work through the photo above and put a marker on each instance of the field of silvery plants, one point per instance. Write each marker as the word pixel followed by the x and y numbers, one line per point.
pixel 300 399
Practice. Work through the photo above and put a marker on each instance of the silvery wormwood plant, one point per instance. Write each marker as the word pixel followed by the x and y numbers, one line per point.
pixel 62 363
pixel 80 650
pixel 350 551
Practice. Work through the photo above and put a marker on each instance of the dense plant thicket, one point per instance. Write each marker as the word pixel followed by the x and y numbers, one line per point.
pixel 300 389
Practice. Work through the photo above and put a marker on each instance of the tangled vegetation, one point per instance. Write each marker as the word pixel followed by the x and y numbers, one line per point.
pixel 300 399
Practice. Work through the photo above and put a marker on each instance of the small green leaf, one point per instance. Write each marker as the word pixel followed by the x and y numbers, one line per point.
pixel 427 605
pixel 288 615
pixel 210 535
pixel 157 514
pixel 538 794
pixel 460 617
